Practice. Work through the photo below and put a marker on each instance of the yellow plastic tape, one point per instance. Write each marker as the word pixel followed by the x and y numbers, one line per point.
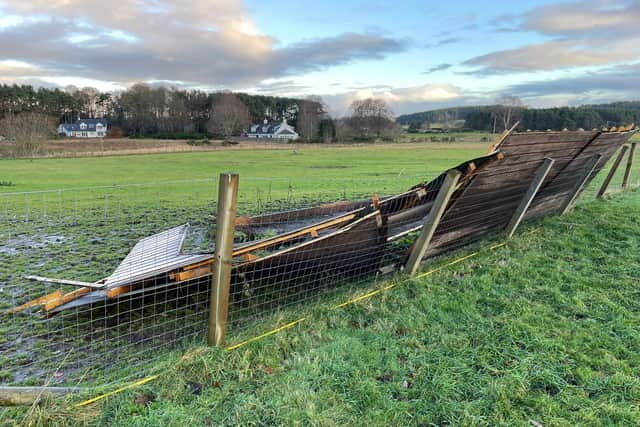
pixel 120 390
pixel 266 334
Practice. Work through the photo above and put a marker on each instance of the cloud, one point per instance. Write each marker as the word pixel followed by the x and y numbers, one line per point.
pixel 443 42
pixel 320 53
pixel 11 68
pixel 405 99
pixel 585 19
pixel 210 43
pixel 554 55
pixel 439 67
pixel 614 83
pixel 280 87
pixel 591 33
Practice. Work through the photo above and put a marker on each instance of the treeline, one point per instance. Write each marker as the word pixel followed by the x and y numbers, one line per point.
pixel 159 112
pixel 443 115
pixel 490 118
pixel 144 110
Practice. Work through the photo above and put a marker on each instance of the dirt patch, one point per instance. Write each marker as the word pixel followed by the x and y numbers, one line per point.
pixel 71 147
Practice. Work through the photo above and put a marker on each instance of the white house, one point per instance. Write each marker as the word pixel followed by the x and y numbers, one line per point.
pixel 84 128
pixel 273 130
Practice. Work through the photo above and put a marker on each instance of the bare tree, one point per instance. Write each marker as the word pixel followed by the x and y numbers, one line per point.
pixel 371 116
pixel 90 97
pixel 229 115
pixel 508 110
pixel 27 132
pixel 178 115
pixel 310 113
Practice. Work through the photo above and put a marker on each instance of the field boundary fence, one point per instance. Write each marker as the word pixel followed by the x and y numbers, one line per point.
pixel 98 284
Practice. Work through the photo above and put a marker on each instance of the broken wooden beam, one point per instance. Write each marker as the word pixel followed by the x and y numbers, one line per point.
pixel 38 301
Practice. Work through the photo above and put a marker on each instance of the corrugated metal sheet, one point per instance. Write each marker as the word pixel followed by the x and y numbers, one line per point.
pixel 150 257
pixel 154 255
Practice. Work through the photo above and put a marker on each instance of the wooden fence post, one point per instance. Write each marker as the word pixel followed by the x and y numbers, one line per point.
pixel 575 192
pixel 432 220
pixel 627 172
pixel 223 258
pixel 528 197
pixel 612 172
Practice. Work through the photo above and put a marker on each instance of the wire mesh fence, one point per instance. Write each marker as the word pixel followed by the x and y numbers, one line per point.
pixel 85 234
pixel 136 261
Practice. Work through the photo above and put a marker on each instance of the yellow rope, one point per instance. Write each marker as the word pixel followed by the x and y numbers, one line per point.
pixel 266 334
pixel 294 323
pixel 120 390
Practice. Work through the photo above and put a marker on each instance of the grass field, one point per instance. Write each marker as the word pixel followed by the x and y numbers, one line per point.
pixel 312 162
pixel 543 329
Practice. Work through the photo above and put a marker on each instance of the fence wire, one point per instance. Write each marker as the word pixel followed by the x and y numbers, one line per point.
pixel 296 241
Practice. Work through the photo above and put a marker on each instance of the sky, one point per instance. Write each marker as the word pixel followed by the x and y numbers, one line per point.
pixel 417 55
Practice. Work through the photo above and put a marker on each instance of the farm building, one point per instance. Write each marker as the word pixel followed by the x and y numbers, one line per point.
pixel 84 128
pixel 273 130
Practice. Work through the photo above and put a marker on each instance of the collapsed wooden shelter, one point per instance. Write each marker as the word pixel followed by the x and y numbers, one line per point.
pixel 321 245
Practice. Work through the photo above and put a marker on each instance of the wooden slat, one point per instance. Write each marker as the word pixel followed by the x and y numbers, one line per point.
pixel 431 221
pixel 38 301
pixel 580 184
pixel 627 172
pixel 531 192
pixel 66 282
pixel 68 297
pixel 612 172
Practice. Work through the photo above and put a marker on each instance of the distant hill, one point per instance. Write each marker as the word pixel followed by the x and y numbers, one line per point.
pixel 441 116
pixel 481 117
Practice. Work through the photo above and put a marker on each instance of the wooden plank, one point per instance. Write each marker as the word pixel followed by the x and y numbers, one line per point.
pixel 352 251
pixel 627 172
pixel 591 165
pixel 191 274
pixel 432 220
pixel 38 301
pixel 612 172
pixel 66 282
pixel 503 137
pixel 572 138
pixel 221 277
pixel 68 297
pixel 283 238
pixel 531 192
pixel 300 214
pixel 120 290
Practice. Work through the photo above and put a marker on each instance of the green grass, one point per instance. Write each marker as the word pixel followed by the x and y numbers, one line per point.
pixel 383 161
pixel 544 329
pixel 188 179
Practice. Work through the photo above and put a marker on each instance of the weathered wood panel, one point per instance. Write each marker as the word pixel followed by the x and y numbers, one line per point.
pixel 353 251
pixel 490 198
